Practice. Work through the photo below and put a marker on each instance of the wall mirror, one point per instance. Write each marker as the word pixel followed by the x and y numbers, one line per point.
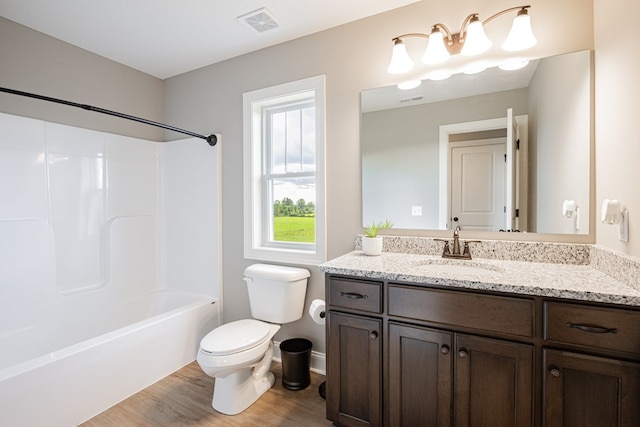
pixel 493 151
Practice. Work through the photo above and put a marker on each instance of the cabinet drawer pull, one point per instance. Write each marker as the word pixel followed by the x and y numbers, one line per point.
pixel 353 295
pixel 373 335
pixel 463 354
pixel 444 349
pixel 554 372
pixel 593 329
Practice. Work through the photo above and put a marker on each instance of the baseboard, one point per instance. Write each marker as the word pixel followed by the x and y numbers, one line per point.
pixel 318 360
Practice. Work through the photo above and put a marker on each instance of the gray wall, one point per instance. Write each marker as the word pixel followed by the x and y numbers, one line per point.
pixel 559 159
pixel 34 62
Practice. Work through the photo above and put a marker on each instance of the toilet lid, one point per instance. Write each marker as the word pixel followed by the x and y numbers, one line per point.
pixel 235 337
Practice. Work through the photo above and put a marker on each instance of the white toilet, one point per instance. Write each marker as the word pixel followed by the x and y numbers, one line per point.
pixel 238 354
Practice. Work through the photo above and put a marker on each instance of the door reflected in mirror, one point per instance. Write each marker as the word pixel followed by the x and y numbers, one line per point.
pixel 498 151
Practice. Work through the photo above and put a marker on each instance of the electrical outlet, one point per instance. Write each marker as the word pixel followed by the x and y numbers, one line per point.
pixel 416 210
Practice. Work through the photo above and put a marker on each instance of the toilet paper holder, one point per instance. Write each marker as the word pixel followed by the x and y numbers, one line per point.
pixel 317 311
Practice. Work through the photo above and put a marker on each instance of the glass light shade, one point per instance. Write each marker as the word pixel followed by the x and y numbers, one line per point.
pixel 475 68
pixel 409 84
pixel 400 61
pixel 520 37
pixel 514 64
pixel 436 52
pixel 475 41
pixel 439 75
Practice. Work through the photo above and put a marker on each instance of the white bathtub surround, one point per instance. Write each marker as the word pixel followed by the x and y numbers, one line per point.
pixel 108 266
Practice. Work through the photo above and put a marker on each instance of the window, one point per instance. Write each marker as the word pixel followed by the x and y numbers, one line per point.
pixel 284 215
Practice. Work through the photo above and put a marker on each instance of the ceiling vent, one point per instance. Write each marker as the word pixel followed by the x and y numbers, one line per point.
pixel 414 99
pixel 260 20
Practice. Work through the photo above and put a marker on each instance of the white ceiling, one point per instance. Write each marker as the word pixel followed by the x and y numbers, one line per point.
pixel 165 38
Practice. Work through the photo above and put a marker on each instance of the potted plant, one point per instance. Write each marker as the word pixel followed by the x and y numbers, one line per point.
pixel 371 241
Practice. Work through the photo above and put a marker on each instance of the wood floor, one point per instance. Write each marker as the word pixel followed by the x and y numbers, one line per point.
pixel 184 399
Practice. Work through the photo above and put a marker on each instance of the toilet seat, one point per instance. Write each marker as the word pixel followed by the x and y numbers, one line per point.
pixel 235 337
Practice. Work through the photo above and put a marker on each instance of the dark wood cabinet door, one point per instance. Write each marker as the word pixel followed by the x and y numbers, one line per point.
pixel 420 376
pixel 354 370
pixel 586 391
pixel 493 383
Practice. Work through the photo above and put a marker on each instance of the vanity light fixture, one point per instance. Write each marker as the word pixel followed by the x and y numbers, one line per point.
pixel 470 41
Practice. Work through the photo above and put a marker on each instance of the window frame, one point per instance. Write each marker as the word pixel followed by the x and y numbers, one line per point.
pixel 256 212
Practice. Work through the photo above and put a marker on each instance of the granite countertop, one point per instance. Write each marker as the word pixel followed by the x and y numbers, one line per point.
pixel 570 281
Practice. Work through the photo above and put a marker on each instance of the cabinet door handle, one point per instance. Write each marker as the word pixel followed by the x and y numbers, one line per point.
pixel 463 354
pixel 373 335
pixel 444 349
pixel 592 328
pixel 554 372
pixel 353 295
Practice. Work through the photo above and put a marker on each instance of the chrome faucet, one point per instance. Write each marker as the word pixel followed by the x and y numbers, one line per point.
pixel 456 253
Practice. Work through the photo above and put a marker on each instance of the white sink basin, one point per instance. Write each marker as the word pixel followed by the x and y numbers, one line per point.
pixel 452 267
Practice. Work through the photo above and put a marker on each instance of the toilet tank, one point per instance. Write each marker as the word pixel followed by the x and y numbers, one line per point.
pixel 276 292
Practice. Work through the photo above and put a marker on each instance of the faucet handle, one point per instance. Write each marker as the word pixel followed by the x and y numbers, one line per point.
pixel 446 249
pixel 466 252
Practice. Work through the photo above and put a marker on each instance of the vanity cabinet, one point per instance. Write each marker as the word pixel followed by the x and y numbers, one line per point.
pixel 581 387
pixel 354 353
pixel 443 376
pixel 420 365
pixel 411 354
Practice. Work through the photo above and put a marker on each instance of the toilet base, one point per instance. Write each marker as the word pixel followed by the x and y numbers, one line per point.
pixel 236 392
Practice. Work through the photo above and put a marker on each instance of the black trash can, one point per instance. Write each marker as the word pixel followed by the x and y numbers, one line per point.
pixel 296 362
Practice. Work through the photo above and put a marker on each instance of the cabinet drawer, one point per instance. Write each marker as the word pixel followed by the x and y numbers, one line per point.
pixel 599 327
pixel 355 294
pixel 507 315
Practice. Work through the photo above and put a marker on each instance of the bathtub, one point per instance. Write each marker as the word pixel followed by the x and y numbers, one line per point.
pixel 79 359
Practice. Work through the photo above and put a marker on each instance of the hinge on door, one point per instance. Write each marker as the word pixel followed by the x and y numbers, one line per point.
pixel 504 209
pixel 517 213
pixel 505 158
pixel 518 144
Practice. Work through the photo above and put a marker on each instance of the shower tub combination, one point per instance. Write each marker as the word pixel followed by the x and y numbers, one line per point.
pixel 124 348
pixel 109 266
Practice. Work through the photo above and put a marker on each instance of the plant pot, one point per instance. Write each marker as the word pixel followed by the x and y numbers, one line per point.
pixel 372 245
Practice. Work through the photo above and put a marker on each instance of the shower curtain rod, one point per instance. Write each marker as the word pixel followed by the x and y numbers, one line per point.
pixel 211 139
